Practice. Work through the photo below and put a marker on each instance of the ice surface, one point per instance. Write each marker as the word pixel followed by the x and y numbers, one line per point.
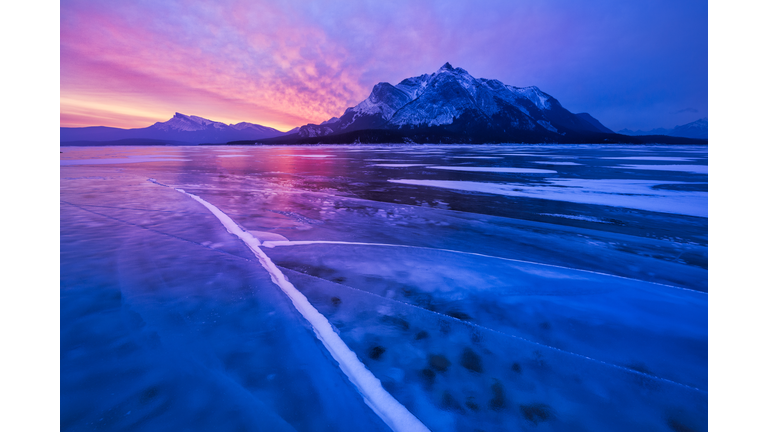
pixel 495 169
pixel 398 165
pixel 577 304
pixel 458 375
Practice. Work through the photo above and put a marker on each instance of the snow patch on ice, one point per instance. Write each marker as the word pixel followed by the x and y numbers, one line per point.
pixel 557 163
pixel 575 217
pixel 695 169
pixel 636 194
pixel 653 158
pixel 495 169
pixel 263 236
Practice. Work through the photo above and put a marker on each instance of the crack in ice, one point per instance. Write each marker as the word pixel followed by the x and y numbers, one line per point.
pixel 394 414
pixel 501 333
pixel 274 243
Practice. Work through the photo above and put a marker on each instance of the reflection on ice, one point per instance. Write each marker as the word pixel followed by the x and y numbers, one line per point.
pixel 397 165
pixel 112 161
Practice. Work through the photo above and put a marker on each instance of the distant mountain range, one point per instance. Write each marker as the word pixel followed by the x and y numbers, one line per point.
pixel 696 129
pixel 179 130
pixel 448 106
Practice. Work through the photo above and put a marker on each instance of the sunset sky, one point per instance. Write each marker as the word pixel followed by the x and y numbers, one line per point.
pixel 631 64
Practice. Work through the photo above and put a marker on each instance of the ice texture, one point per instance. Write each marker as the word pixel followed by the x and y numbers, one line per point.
pixel 291 293
pixel 382 403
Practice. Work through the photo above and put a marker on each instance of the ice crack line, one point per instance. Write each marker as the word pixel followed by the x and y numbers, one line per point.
pixel 501 333
pixel 394 414
pixel 154 231
pixel 273 243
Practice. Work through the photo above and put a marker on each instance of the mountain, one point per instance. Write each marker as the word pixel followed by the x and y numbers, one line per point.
pixel 593 121
pixel 179 130
pixel 451 105
pixel 696 129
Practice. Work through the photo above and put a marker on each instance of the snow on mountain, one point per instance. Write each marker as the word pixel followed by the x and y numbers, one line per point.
pixel 331 120
pixel 181 122
pixel 252 127
pixel 452 95
pixel 695 129
pixel 533 94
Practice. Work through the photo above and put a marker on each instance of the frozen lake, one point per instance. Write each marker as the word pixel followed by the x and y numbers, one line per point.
pixel 365 288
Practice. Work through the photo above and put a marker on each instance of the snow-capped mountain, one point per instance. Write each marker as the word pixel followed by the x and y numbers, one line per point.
pixel 454 101
pixel 695 129
pixel 180 129
pixel 181 122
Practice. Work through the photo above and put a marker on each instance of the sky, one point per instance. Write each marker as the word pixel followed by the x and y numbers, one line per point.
pixel 631 64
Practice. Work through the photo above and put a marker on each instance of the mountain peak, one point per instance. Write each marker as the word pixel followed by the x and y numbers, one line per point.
pixel 455 100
